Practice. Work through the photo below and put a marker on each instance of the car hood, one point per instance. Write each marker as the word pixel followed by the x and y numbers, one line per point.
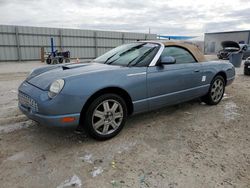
pixel 43 79
pixel 230 44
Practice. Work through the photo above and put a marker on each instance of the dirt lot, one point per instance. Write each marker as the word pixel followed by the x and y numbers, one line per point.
pixel 188 145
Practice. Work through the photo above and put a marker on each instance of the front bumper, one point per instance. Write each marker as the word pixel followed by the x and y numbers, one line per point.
pixel 51 120
pixel 62 111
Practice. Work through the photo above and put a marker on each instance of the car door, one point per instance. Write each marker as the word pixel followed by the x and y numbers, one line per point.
pixel 174 83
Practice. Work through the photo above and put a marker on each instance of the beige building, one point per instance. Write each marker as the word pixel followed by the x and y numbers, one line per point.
pixel 212 41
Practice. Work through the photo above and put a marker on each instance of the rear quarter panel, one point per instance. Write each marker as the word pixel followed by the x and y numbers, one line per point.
pixel 212 68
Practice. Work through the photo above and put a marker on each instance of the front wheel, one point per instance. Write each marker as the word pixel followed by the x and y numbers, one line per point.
pixel 216 91
pixel 54 61
pixel 60 60
pixel 48 60
pixel 105 117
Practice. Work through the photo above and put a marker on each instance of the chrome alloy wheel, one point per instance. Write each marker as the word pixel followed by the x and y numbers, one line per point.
pixel 217 90
pixel 107 117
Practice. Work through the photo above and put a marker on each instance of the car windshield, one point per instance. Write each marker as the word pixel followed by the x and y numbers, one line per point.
pixel 133 54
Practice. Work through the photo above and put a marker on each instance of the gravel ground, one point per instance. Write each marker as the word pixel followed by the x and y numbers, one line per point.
pixel 188 145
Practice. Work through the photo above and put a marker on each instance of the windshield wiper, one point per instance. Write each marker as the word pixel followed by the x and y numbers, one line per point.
pixel 105 62
pixel 131 61
pixel 143 56
pixel 120 64
pixel 112 61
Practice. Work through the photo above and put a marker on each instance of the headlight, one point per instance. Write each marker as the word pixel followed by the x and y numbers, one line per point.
pixel 55 88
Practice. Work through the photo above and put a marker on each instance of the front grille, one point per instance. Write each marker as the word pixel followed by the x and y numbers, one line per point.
pixel 27 102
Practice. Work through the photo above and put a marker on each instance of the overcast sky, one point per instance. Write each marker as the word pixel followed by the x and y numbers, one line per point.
pixel 173 17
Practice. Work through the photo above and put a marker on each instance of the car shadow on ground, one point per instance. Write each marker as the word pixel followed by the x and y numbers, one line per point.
pixel 68 136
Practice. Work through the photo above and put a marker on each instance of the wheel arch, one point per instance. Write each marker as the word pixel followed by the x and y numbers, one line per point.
pixel 207 98
pixel 114 90
pixel 223 74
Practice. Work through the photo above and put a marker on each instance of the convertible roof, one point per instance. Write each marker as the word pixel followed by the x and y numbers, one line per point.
pixel 190 47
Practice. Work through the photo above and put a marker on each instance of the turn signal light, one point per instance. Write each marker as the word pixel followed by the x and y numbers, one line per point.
pixel 68 119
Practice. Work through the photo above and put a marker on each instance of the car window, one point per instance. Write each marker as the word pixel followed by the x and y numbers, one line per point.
pixel 181 55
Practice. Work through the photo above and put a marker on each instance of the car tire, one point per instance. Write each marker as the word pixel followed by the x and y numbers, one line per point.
pixel 54 61
pixel 60 60
pixel 67 60
pixel 216 91
pixel 48 61
pixel 105 117
pixel 246 71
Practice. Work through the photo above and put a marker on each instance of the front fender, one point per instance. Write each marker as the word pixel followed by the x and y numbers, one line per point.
pixel 132 80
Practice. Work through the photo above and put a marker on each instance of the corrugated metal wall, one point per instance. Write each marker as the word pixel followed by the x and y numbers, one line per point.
pixel 24 43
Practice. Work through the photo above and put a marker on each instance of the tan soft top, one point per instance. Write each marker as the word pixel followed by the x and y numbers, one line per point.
pixel 190 47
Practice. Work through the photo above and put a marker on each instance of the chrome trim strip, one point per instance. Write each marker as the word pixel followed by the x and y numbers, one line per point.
pixel 173 93
pixel 157 56
pixel 136 74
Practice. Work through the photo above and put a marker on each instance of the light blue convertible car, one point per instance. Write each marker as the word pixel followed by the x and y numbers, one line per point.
pixel 133 78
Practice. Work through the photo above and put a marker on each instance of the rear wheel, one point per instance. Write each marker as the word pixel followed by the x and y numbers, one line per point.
pixel 216 91
pixel 105 117
pixel 67 60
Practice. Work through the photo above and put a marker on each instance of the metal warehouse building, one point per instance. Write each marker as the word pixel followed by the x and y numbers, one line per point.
pixel 21 43
pixel 212 41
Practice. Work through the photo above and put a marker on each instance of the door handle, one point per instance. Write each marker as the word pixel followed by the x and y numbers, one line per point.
pixel 197 70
